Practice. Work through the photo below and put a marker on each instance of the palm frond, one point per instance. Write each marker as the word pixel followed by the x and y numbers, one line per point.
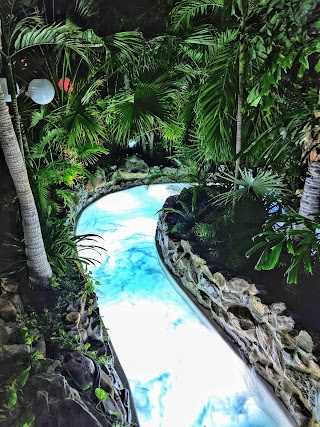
pixel 83 125
pixel 205 231
pixel 185 11
pixel 28 34
pixel 125 52
pixel 127 42
pixel 85 43
pixel 36 117
pixel 142 111
pixel 37 150
pixel 173 132
pixel 215 109
pixel 91 91
pixel 89 154
pixel 201 36
pixel 193 150
pixel 70 174
pixel 69 197
pixel 43 180
pixel 85 8
pixel 126 119
pixel 265 183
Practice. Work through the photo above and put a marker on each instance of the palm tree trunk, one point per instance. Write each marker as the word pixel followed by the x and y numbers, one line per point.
pixel 39 267
pixel 144 147
pixel 15 110
pixel 310 200
pixel 151 143
pixel 239 110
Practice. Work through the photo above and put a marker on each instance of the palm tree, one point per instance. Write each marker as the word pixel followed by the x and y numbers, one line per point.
pixel 31 33
pixel 39 268
pixel 241 92
pixel 310 200
pixel 144 110
pixel 220 93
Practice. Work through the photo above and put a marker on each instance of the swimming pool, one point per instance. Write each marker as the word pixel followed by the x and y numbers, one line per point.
pixel 181 372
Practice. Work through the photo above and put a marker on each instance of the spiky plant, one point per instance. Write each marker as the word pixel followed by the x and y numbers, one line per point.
pixel 263 184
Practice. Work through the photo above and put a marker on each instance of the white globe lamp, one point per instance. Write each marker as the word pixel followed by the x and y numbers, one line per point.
pixel 41 91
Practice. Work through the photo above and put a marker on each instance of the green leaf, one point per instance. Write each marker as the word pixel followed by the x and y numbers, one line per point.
pixel 263 259
pixel 307 262
pixel 28 420
pixel 308 239
pixel 102 360
pixel 293 270
pixel 185 11
pixel 87 346
pixel 12 399
pixel 85 386
pixel 274 255
pixel 294 232
pixel 100 394
pixel 255 248
pixel 22 378
pixel 317 67
pixel 290 247
pixel 256 101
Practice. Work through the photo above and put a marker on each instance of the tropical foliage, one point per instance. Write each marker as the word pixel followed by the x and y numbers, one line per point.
pixel 190 213
pixel 229 91
pixel 229 80
pixel 264 185
pixel 294 235
pixel 64 248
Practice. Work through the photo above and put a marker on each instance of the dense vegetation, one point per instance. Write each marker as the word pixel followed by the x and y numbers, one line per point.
pixel 227 89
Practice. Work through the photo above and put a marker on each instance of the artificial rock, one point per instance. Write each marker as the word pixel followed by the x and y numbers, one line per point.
pixel 7 310
pixel 267 339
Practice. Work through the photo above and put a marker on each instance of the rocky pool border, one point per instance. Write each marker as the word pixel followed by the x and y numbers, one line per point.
pixel 266 338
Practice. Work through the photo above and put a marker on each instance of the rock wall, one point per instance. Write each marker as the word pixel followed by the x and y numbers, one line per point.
pixel 62 389
pixel 65 391
pixel 267 339
pixel 133 173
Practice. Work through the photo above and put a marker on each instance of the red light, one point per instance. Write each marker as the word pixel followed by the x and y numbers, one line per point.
pixel 66 83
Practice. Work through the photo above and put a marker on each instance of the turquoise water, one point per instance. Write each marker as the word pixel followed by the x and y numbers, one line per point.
pixel 181 372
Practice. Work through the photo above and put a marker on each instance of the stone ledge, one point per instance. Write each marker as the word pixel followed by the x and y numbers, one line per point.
pixel 267 339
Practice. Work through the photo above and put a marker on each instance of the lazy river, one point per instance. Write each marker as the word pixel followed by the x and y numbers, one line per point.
pixel 181 371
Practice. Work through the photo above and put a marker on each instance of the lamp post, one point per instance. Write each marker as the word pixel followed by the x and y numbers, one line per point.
pixel 4 86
